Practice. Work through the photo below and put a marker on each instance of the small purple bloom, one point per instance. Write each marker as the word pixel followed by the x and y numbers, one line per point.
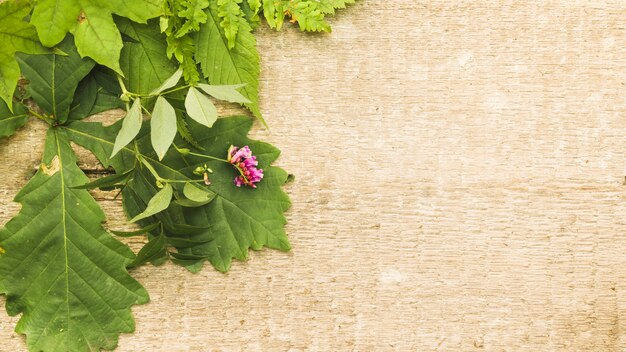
pixel 243 160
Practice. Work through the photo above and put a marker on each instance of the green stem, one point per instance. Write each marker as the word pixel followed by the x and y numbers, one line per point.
pixel 41 117
pixel 209 157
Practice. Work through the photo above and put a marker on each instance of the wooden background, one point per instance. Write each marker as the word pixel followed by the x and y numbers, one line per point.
pixel 460 186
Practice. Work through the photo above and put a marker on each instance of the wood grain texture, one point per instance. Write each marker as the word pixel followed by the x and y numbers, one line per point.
pixel 460 187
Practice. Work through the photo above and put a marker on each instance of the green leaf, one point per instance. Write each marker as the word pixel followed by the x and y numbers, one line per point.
pixel 251 9
pixel 92 24
pixel 154 250
pixel 200 107
pixel 54 78
pixel 309 14
pixel 61 270
pixel 227 93
pixel 16 36
pixel 12 121
pixel 105 182
pixel 231 15
pixel 144 63
pixel 193 11
pixel 130 127
pixel 157 204
pixel 169 83
pixel 239 65
pixel 141 231
pixel 162 126
pixel 92 97
pixel 235 220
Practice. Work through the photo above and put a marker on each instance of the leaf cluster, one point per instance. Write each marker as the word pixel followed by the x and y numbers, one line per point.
pixel 166 63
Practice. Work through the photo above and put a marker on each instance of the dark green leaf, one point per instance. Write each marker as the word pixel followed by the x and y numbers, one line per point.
pixel 11 121
pixel 106 181
pixel 139 232
pixel 145 64
pixel 155 249
pixel 54 78
pixel 61 270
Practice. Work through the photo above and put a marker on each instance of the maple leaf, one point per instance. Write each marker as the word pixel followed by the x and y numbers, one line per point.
pixel 53 78
pixel 144 60
pixel 235 220
pixel 16 35
pixel 12 121
pixel 92 24
pixel 224 66
pixel 61 269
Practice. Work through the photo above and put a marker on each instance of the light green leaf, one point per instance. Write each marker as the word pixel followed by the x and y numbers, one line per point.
pixel 92 24
pixel 169 83
pixel 61 270
pixel 144 63
pixel 227 93
pixel 162 126
pixel 200 107
pixel 234 221
pixel 198 194
pixel 12 121
pixel 130 127
pixel 157 204
pixel 16 35
pixel 53 78
pixel 231 15
pixel 193 11
pixel 239 65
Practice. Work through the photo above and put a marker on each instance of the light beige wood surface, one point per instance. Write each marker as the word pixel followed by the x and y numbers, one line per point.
pixel 460 187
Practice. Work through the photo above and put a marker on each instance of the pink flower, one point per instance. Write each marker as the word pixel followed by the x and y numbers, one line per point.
pixel 243 160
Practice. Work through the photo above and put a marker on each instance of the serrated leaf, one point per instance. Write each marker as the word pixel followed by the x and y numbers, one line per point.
pixel 231 15
pixel 139 232
pixel 200 107
pixel 54 78
pixel 168 83
pixel 92 24
pixel 162 126
pixel 92 97
pixel 235 220
pixel 12 121
pixel 225 92
pixel 309 14
pixel 193 12
pixel 145 63
pixel 62 271
pixel 130 127
pixel 239 65
pixel 157 204
pixel 16 35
